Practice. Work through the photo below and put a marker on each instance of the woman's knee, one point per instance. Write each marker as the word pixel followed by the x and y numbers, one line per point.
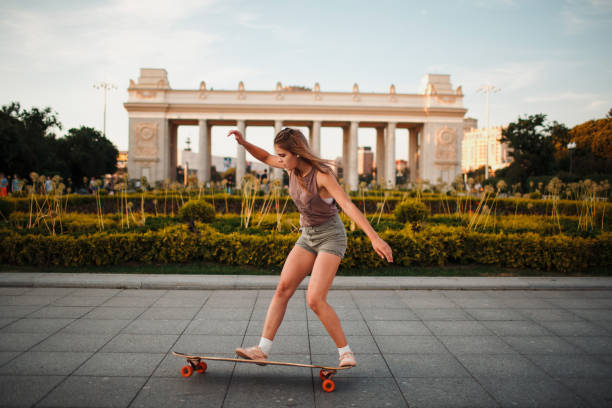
pixel 315 302
pixel 284 291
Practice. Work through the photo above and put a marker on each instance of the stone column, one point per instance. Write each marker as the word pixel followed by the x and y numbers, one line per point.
pixel 277 173
pixel 380 156
pixel 203 145
pixel 413 154
pixel 345 155
pixel 390 156
pixel 315 137
pixel 240 156
pixel 172 151
pixel 353 177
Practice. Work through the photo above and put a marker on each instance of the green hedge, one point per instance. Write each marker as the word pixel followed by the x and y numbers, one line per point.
pixel 437 245
pixel 437 205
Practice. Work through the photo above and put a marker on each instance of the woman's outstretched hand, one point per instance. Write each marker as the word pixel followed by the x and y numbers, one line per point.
pixel 238 135
pixel 382 249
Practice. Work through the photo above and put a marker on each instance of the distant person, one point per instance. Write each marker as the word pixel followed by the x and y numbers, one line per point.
pixel 48 185
pixel 3 185
pixel 15 187
pixel 322 245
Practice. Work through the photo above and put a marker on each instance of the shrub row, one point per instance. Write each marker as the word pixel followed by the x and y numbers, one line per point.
pixel 437 245
pixel 436 205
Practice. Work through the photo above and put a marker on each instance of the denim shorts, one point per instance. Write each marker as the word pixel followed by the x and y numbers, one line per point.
pixel 328 237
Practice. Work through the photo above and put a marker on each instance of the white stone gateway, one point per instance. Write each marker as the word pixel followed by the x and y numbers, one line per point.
pixel 434 120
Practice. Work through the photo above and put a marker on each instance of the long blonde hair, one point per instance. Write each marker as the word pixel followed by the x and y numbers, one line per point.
pixel 295 142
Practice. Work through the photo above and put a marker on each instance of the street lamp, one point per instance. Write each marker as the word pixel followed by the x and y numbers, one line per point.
pixel 571 146
pixel 106 87
pixel 488 89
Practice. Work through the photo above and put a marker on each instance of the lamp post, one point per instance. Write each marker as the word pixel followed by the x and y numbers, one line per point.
pixel 487 89
pixel 571 146
pixel 106 87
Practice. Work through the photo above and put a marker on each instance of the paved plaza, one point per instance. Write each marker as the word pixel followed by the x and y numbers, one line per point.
pixel 111 347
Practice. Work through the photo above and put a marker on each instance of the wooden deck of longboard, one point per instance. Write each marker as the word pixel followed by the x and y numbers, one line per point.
pixel 242 360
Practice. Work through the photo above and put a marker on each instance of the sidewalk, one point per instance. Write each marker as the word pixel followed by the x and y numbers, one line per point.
pixel 93 344
pixel 205 282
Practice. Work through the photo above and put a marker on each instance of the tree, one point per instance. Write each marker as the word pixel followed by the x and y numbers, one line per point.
pixel 593 140
pixel 88 152
pixel 28 141
pixel 532 145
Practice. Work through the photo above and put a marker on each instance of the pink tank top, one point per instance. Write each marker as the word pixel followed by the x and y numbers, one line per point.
pixel 313 210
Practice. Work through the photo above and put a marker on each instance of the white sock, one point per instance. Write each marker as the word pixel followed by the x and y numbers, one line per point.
pixel 265 345
pixel 344 349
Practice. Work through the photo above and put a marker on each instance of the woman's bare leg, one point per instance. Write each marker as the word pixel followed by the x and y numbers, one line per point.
pixel 323 273
pixel 298 265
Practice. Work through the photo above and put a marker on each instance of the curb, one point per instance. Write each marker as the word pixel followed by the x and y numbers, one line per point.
pixel 260 282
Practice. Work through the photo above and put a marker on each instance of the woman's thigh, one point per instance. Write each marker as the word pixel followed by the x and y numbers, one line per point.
pixel 297 266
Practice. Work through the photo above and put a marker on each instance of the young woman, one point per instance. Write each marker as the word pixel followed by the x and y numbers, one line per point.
pixel 313 188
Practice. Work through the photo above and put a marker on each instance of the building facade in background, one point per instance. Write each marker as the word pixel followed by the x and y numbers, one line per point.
pixel 474 149
pixel 365 160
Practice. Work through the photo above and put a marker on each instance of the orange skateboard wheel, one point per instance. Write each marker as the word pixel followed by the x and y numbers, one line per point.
pixel 328 385
pixel 186 371
pixel 201 367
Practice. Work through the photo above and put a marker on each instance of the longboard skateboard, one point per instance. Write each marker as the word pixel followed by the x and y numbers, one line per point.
pixel 195 363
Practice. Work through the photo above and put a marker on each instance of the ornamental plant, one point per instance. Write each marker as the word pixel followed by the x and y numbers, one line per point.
pixel 197 210
pixel 413 211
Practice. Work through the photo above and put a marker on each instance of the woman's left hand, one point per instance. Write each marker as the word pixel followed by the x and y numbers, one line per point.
pixel 382 249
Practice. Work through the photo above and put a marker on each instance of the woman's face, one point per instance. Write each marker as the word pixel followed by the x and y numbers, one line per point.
pixel 286 159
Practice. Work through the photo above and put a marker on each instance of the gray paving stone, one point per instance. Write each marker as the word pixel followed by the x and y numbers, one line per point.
pixel 565 328
pixel 92 326
pixel 154 327
pixel 442 314
pixel 209 344
pixel 17 311
pixel 287 328
pixel 36 326
pixel 20 341
pixel 282 344
pixel 425 365
pixel 188 301
pixel 290 314
pixel 147 293
pixel 81 301
pixel 479 303
pixel 593 314
pixel 73 342
pixel 79 391
pixel 457 328
pixel 129 301
pixel 426 303
pixel 398 328
pixel 516 328
pixel 500 365
pixel 140 343
pixel 170 313
pixel 525 392
pixel 377 313
pixel 90 292
pixel 248 391
pixel 44 363
pixel 224 313
pixel 25 300
pixel 115 313
pixel 198 391
pixel 541 345
pixel 476 344
pixel 120 365
pixel 360 392
pixel 544 315
pixel 358 344
pixel 576 366
pixel 526 303
pixel 25 391
pixel 218 327
pixel 344 313
pixel 6 356
pixel 495 314
pixel 597 392
pixel 582 303
pixel 592 345
pixel 349 327
pixel 461 392
pixel 60 312
pixel 409 344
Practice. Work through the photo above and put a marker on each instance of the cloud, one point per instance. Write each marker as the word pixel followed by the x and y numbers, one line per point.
pixel 579 16
pixel 563 97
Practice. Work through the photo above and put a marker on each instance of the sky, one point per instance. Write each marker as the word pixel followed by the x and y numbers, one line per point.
pixel 545 56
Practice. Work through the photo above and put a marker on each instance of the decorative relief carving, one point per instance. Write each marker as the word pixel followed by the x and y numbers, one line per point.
pixel 392 96
pixel 317 92
pixel 279 91
pixel 446 144
pixel 146 94
pixel 146 140
pixel 447 99
pixel 241 92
